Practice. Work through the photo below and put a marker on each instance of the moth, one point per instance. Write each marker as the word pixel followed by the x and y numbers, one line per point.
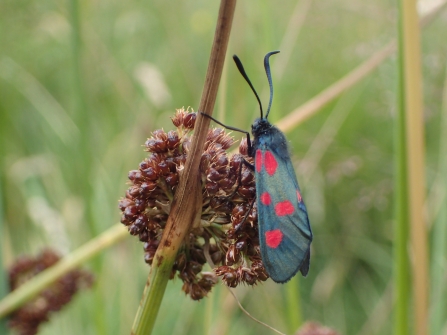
pixel 284 229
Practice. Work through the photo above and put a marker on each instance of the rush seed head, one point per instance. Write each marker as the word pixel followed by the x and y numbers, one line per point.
pixel 227 237
pixel 27 319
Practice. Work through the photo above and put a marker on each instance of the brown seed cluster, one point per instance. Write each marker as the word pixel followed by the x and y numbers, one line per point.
pixel 26 320
pixel 227 238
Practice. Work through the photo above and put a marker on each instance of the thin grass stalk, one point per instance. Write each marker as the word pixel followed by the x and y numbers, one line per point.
pixel 411 117
pixel 439 233
pixel 78 88
pixel 76 46
pixel 3 272
pixel 209 313
pixel 401 229
pixel 380 314
pixel 68 263
pixel 416 164
pixel 288 42
pixel 82 115
pixel 187 203
pixel 293 305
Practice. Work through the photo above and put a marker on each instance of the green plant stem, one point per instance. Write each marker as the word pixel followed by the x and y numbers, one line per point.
pixel 293 302
pixel 76 48
pixel 3 272
pixel 187 203
pixel 439 232
pixel 44 279
pixel 152 297
pixel 401 229
pixel 411 177
pixel 401 266
pixel 81 116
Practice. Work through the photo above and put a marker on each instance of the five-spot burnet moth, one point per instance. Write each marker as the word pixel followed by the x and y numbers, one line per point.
pixel 284 230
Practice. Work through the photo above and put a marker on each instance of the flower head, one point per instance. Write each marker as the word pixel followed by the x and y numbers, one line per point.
pixel 227 237
pixel 26 320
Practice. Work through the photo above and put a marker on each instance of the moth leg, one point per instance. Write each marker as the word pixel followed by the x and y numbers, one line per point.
pixel 248 164
pixel 231 128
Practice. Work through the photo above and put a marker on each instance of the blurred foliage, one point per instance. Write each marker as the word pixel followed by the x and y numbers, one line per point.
pixel 64 162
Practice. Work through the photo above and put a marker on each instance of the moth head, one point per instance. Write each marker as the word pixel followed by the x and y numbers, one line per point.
pixel 260 126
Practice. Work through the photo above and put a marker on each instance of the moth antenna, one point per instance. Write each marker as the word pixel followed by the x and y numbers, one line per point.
pixel 244 74
pixel 269 78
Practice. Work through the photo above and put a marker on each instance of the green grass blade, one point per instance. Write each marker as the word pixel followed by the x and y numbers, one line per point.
pixel 439 233
pixel 293 303
pixel 411 177
pixel 3 272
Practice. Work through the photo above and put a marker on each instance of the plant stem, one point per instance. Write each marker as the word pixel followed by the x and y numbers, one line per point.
pixel 401 272
pixel 293 303
pixel 187 203
pixel 3 271
pixel 439 232
pixel 411 214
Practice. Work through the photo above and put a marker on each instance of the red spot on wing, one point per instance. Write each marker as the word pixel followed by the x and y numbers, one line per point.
pixel 270 163
pixel 284 208
pixel 258 160
pixel 273 238
pixel 298 195
pixel 266 199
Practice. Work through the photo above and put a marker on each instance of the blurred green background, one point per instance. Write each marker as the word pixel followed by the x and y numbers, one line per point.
pixel 82 85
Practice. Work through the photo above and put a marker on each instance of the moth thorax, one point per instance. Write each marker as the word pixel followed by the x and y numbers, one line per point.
pixel 260 126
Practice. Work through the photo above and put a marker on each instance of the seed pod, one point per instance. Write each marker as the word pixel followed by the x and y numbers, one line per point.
pixel 207 281
pixel 150 173
pixel 172 179
pixel 189 120
pixel 177 120
pixel 247 177
pixel 212 188
pixel 248 192
pixel 172 140
pixel 198 255
pixel 163 168
pixel 133 192
pixel 230 278
pixel 213 175
pixel 123 203
pixel 248 277
pixel 194 267
pixel 130 211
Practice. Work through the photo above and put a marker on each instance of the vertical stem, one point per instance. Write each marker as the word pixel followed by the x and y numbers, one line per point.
pixel 293 302
pixel 439 232
pixel 401 229
pixel 401 271
pixel 3 271
pixel 411 117
pixel 81 115
pixel 187 203
pixel 76 48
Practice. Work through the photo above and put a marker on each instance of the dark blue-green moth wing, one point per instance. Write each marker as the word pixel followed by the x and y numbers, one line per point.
pixel 284 230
